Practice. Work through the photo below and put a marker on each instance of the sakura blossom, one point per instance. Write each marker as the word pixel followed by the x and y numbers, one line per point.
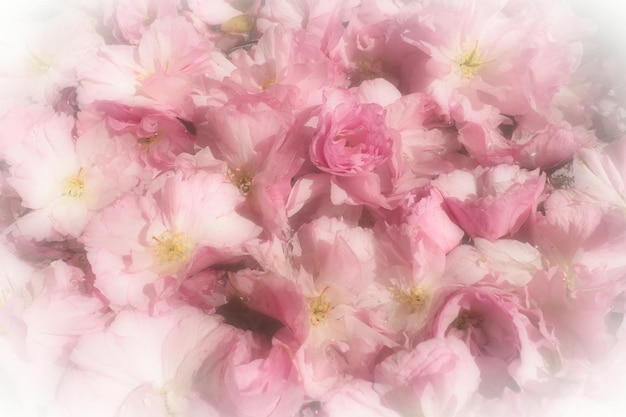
pixel 300 208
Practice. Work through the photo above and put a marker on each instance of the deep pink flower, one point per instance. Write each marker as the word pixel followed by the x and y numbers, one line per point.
pixel 350 138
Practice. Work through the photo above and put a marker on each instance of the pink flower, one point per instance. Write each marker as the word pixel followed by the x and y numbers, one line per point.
pixel 160 135
pixel 288 67
pixel 129 20
pixel 492 202
pixel 532 141
pixel 41 57
pixel 513 60
pixel 503 260
pixel 435 378
pixel 255 139
pixel 429 140
pixel 255 380
pixel 425 217
pixel 141 247
pixel 351 138
pixel 357 397
pixel 601 174
pixel 216 12
pixel 510 343
pixel 41 322
pixel 578 303
pixel 142 366
pixel 569 221
pixel 159 71
pixel 66 181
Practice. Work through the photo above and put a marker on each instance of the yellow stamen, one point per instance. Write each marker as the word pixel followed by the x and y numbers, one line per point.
pixel 168 409
pixel 238 24
pixel 74 185
pixel 365 70
pixel 267 82
pixel 414 298
pixel 469 62
pixel 569 275
pixel 39 65
pixel 319 308
pixel 241 179
pixel 171 248
pixel 148 140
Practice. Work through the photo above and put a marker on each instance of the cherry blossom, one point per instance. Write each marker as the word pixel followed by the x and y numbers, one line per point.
pixel 298 208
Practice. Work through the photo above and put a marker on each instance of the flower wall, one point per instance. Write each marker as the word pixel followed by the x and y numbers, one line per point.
pixel 298 208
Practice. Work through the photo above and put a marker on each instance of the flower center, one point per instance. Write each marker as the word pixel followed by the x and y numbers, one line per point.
pixel 466 319
pixel 364 70
pixel 267 82
pixel 143 76
pixel 413 298
pixel 241 179
pixel 4 296
pixel 319 308
pixel 74 185
pixel 469 62
pixel 39 65
pixel 171 248
pixel 148 140
pixel 238 24
pixel 166 402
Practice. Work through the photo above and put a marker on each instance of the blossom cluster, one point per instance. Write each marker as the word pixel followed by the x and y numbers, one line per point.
pixel 298 208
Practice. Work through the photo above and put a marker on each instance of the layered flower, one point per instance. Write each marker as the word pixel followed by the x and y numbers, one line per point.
pixel 140 247
pixel 601 174
pixel 494 55
pixel 129 20
pixel 65 181
pixel 142 366
pixel 40 323
pixel 492 202
pixel 350 138
pixel 255 380
pixel 309 208
pixel 40 58
pixel 435 378
pixel 160 70
pixel 509 342
pixel 160 135
pixel 254 138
